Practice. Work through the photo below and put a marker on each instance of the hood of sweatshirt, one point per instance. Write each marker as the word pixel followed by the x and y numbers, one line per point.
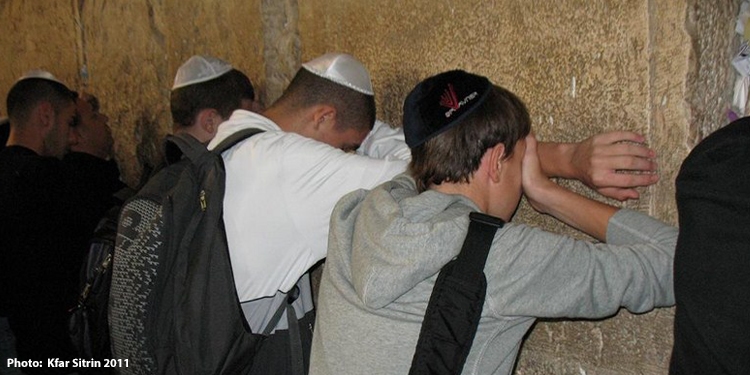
pixel 398 238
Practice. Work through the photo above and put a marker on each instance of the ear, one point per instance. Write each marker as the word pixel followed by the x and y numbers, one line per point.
pixel 208 120
pixel 496 162
pixel 324 117
pixel 45 114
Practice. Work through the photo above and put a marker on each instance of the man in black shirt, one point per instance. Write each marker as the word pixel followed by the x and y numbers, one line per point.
pixel 712 259
pixel 38 221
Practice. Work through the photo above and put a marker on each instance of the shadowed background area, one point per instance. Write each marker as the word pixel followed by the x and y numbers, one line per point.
pixel 659 67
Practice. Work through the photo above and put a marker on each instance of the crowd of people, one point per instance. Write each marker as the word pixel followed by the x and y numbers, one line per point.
pixel 386 207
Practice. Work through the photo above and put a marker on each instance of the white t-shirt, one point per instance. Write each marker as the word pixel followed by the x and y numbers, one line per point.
pixel 280 191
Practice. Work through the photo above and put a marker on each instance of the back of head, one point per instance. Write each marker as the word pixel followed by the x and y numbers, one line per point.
pixel 452 119
pixel 246 91
pixel 338 80
pixel 245 88
pixel 32 89
pixel 204 82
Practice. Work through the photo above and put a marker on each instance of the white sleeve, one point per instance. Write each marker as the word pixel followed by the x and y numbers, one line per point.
pixel 385 142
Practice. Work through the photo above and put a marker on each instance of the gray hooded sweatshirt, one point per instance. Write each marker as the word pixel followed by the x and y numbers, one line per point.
pixel 387 246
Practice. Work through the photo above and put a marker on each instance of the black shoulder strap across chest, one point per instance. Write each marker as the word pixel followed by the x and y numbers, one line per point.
pixel 456 303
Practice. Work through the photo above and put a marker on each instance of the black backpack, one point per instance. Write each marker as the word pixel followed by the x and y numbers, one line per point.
pixel 173 303
pixel 88 325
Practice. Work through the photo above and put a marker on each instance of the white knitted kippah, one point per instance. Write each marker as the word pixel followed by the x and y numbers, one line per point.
pixel 42 74
pixel 199 69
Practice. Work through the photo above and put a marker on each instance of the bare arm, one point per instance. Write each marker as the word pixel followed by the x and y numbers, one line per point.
pixel 584 214
pixel 598 162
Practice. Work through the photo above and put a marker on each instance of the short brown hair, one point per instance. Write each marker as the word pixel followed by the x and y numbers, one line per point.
pixel 353 109
pixel 27 93
pixel 222 93
pixel 455 155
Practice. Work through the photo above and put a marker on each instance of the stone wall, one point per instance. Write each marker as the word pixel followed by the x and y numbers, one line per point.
pixel 659 67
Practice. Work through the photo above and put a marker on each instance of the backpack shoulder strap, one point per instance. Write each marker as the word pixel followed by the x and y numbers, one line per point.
pixel 178 145
pixel 456 303
pixel 470 262
pixel 235 138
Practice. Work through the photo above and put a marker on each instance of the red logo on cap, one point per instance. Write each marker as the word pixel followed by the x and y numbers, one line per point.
pixel 449 99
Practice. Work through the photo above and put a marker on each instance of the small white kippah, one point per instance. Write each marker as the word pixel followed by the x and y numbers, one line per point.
pixel 199 69
pixel 42 74
pixel 343 69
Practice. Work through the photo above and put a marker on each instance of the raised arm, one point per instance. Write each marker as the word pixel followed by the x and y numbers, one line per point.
pixel 584 214
pixel 612 163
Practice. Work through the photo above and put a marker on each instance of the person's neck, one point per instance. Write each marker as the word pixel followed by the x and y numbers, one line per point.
pixel 467 189
pixel 35 144
pixel 193 131
pixel 280 116
pixel 283 117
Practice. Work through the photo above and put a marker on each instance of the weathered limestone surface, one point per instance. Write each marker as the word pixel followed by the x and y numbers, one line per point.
pixel 709 77
pixel 125 54
pixel 282 46
pixel 658 67
pixel 36 35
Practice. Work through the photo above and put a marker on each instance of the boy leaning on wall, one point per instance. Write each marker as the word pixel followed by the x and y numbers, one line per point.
pixel 472 151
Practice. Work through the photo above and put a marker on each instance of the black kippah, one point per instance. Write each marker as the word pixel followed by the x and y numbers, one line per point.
pixel 440 102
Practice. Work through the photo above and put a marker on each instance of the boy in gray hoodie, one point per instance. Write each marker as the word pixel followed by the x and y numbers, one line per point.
pixel 472 151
